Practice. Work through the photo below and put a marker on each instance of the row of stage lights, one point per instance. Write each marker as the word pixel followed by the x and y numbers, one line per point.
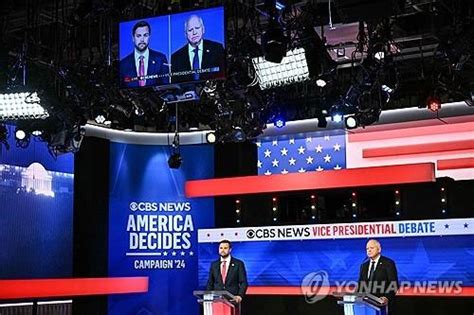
pixel 315 213
pixel 352 121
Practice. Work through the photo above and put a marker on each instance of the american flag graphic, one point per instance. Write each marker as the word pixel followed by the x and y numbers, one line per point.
pixel 316 151
pixel 448 144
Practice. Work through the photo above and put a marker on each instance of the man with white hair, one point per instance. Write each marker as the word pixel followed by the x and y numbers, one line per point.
pixel 378 274
pixel 199 59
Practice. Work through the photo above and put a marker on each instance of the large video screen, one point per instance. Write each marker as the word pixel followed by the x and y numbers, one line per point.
pixel 176 48
pixel 36 221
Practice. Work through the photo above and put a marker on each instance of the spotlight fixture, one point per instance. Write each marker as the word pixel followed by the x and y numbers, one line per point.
pixel 210 88
pixel 100 119
pixel 337 118
pixel 274 43
pixel 341 51
pixel 369 116
pixel 379 55
pixel 175 160
pixel 351 122
pixel 292 69
pixel 139 111
pixel 238 135
pixel 279 122
pixel 321 83
pixel 22 137
pixel 280 5
pixel 387 89
pixel 211 137
pixel 470 98
pixel 433 103
pixel 322 122
pixel 20 134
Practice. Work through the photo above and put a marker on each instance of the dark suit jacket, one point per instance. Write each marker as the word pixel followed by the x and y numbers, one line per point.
pixel 213 55
pixel 384 280
pixel 157 64
pixel 236 279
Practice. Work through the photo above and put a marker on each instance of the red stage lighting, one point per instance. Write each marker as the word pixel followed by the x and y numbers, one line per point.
pixel 433 103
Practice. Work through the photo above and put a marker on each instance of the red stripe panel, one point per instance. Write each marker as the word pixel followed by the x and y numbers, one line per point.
pixel 43 288
pixel 450 164
pixel 408 129
pixel 464 291
pixel 419 148
pixel 367 176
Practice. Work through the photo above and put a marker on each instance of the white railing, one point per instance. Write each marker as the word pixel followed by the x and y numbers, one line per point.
pixel 63 307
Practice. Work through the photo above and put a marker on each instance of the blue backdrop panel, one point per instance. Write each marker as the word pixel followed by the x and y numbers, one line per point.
pixel 286 263
pixel 153 226
pixel 36 198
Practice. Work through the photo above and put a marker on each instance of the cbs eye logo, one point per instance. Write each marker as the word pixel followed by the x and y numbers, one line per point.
pixel 143 206
pixel 250 234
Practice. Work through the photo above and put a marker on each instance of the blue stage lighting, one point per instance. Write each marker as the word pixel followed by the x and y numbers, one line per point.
pixel 337 118
pixel 279 122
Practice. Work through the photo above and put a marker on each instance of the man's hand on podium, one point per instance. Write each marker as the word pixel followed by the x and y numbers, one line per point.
pixel 237 299
pixel 384 300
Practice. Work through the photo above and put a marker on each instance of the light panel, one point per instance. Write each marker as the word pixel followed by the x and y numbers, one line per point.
pixel 24 105
pixel 292 69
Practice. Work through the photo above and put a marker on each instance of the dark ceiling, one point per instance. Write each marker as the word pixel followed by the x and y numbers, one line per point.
pixel 70 51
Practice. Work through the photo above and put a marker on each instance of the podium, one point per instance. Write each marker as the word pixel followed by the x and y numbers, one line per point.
pixel 217 302
pixel 361 304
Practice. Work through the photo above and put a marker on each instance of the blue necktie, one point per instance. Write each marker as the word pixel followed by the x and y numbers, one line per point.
pixel 196 63
pixel 371 270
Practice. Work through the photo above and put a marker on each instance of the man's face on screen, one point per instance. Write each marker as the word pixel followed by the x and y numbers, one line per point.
pixel 224 250
pixel 373 249
pixel 194 31
pixel 141 38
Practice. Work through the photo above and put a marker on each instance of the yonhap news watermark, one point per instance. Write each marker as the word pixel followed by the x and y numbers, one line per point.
pixel 315 286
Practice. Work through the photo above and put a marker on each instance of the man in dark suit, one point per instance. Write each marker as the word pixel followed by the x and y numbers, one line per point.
pixel 378 275
pixel 228 273
pixel 144 66
pixel 199 59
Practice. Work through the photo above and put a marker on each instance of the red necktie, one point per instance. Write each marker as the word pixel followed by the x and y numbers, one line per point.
pixel 141 70
pixel 223 271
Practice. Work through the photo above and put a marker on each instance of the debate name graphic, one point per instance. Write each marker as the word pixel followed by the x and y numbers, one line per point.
pixel 160 234
pixel 441 227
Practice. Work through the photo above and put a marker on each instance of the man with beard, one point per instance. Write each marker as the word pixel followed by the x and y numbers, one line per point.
pixel 228 273
pixel 144 66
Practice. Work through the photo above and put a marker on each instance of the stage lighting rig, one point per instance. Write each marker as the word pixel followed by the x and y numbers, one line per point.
pixel 292 69
pixel 274 42
pixel 433 103
pixel 175 159
pixel 22 137
pixel 22 105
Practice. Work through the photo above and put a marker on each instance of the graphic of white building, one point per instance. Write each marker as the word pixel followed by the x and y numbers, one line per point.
pixel 36 178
